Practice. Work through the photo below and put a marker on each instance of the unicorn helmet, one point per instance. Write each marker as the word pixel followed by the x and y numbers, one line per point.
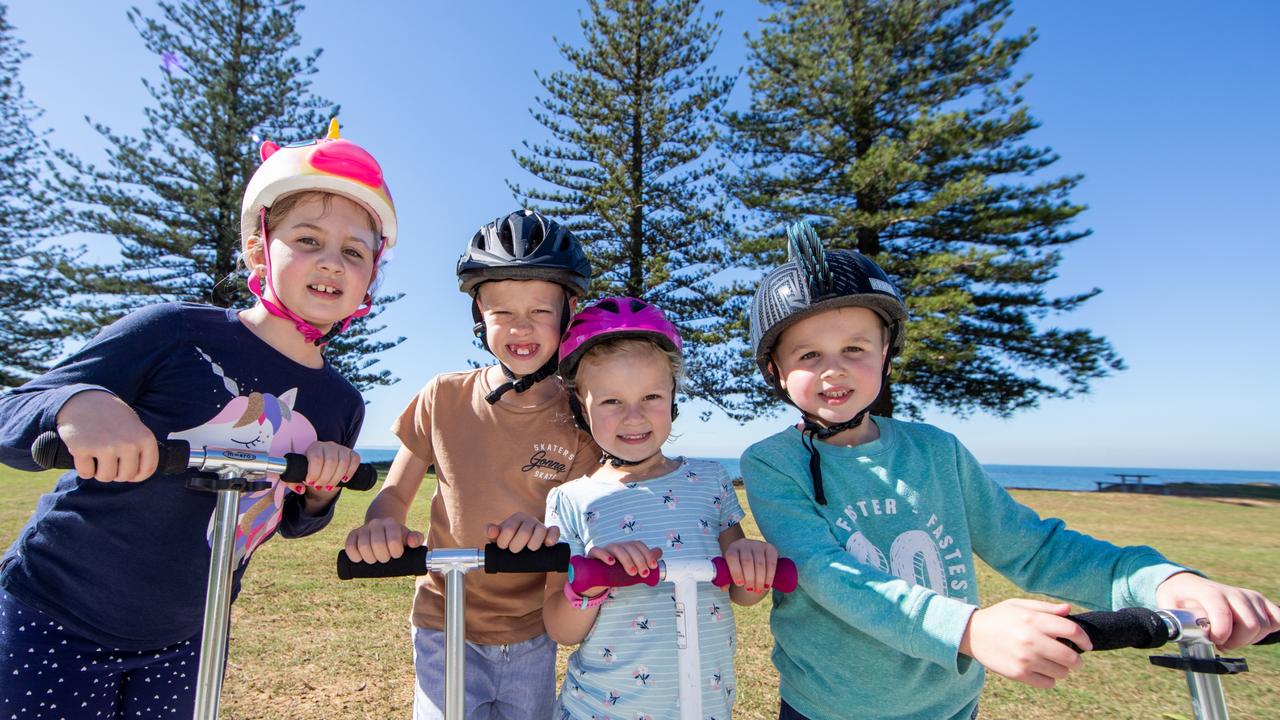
pixel 328 164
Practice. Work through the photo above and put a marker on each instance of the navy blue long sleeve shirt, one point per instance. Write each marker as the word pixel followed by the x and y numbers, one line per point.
pixel 126 564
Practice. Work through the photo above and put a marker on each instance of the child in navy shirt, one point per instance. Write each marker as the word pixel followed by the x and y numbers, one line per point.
pixel 101 594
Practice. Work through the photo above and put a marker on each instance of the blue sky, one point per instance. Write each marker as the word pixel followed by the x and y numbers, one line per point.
pixel 1169 110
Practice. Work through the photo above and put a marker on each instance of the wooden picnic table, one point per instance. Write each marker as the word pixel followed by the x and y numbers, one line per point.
pixel 1124 481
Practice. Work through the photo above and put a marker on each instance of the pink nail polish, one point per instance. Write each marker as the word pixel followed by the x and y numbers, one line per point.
pixel 330 487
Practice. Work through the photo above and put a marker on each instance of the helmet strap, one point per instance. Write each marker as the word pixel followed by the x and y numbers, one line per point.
pixel 615 461
pixel 521 384
pixel 516 382
pixel 814 431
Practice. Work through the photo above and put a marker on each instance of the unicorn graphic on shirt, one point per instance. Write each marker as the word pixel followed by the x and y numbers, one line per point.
pixel 256 422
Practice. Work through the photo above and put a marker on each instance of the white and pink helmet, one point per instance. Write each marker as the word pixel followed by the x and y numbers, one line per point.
pixel 329 164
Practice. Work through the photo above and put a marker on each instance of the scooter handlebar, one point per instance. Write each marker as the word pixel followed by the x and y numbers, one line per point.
pixel 537 560
pixel 412 562
pixel 50 452
pixel 1132 628
pixel 586 573
pixel 1127 628
pixel 416 561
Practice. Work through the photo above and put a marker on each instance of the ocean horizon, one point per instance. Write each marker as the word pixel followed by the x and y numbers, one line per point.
pixel 1034 477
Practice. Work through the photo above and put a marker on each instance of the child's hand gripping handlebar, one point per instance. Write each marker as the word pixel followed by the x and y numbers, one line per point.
pixel 586 573
pixel 420 561
pixel 1143 628
pixel 176 456
pixel 1197 658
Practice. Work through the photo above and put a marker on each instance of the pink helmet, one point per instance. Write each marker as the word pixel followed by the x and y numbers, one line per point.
pixel 615 317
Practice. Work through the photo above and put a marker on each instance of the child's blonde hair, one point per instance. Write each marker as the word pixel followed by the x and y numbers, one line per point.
pixel 623 346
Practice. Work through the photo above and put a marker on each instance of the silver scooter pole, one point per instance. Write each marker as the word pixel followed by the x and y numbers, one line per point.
pixel 454 564
pixel 228 473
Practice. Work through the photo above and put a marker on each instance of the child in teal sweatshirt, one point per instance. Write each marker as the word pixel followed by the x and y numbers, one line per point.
pixel 884 519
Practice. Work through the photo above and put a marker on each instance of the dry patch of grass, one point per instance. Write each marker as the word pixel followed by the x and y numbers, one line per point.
pixel 305 644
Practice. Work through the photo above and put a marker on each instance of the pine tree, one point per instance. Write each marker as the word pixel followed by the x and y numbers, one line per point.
pixel 897 128
pixel 29 290
pixel 630 168
pixel 230 76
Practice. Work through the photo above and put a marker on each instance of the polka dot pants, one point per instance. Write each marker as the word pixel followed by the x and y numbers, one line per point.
pixel 47 672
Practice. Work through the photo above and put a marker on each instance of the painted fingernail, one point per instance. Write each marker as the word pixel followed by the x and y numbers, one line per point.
pixel 344 478
pixel 330 487
pixel 766 586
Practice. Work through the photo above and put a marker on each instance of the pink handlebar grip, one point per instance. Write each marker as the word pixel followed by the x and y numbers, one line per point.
pixel 784 574
pixel 586 573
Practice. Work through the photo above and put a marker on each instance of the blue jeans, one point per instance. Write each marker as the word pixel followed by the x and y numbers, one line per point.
pixel 48 672
pixel 503 682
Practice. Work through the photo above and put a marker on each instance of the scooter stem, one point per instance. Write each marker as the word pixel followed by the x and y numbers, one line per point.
pixel 217 602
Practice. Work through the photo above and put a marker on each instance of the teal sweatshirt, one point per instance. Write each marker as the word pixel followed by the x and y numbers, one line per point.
pixel 887 580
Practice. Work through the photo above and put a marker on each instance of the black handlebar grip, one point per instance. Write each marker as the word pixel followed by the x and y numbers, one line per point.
pixel 50 453
pixel 1271 639
pixel 543 559
pixel 1127 628
pixel 295 471
pixel 412 562
pixel 295 468
pixel 365 478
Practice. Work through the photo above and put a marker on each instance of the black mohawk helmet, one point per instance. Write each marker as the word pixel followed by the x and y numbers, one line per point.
pixel 815 279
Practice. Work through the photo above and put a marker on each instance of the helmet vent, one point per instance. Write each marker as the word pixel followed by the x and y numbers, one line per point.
pixel 610 305
pixel 638 305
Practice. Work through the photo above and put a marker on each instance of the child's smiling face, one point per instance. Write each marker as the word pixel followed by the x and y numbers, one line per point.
pixel 322 255
pixel 521 321
pixel 627 399
pixel 831 363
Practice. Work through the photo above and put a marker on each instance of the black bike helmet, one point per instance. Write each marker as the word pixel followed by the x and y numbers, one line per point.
pixel 813 280
pixel 524 245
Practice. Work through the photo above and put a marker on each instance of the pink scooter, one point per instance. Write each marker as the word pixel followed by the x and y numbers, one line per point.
pixel 686 573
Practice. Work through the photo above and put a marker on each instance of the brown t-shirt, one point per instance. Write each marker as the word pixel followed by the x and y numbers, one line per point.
pixel 491 461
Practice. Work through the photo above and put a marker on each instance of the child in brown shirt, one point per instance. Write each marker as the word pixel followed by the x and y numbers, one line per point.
pixel 499 437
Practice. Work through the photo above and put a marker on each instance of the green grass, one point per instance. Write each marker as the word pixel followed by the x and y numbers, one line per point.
pixel 307 645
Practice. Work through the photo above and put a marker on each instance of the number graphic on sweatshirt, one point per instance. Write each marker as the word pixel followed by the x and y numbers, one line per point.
pixel 913 556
